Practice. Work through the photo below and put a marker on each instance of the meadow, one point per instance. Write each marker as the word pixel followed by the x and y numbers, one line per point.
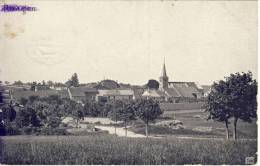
pixel 196 118
pixel 109 149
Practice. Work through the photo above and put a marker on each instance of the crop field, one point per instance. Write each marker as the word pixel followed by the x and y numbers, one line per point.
pixel 108 149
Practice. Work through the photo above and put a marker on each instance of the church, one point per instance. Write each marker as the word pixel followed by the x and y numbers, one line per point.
pixel 173 91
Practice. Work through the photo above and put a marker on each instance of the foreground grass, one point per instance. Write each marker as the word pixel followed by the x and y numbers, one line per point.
pixel 107 149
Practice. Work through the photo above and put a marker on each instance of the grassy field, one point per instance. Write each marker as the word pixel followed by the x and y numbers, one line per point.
pixel 190 121
pixel 107 149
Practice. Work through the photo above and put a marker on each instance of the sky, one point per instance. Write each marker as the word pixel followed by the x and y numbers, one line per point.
pixel 127 41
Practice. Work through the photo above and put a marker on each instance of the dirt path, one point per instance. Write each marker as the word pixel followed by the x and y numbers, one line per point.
pixel 120 131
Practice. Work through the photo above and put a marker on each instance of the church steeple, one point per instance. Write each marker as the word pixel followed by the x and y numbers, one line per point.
pixel 164 69
pixel 163 78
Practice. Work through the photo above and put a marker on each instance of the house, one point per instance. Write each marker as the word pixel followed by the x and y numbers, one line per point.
pixel 115 94
pixel 154 94
pixel 58 87
pixel 81 94
pixel 138 91
pixel 206 90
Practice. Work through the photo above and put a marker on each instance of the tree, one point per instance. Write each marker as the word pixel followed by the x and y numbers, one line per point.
pixel 1 97
pixel 23 101
pixel 147 111
pixel 217 110
pixel 18 83
pixel 50 83
pixel 77 113
pixel 33 86
pixel 126 114
pixel 92 109
pixel 43 83
pixel 114 114
pixel 73 81
pixel 41 112
pixel 121 110
pixel 153 84
pixel 9 113
pixel 234 97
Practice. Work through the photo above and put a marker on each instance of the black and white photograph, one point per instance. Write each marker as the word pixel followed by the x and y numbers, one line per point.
pixel 128 82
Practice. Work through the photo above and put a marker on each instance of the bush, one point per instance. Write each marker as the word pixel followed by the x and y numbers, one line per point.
pixel 30 130
pixel 11 128
pixel 53 131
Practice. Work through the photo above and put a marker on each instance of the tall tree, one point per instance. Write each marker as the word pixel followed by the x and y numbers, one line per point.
pixel 234 97
pixel 75 80
pixel 147 111
pixel 152 84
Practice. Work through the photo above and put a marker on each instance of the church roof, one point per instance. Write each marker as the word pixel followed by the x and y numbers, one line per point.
pixel 171 92
pixel 185 89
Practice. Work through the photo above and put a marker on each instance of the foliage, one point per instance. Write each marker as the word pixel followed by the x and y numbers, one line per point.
pixel 123 111
pixel 50 83
pixel 33 86
pixel 18 83
pixel 107 84
pixel 73 81
pixel 147 111
pixel 77 113
pixel 1 97
pixel 37 112
pixel 7 82
pixel 234 97
pixel 97 109
pixel 23 101
pixel 153 84
pixel 11 128
pixel 9 112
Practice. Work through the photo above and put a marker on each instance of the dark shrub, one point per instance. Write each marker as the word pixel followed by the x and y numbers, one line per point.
pixel 53 131
pixel 11 129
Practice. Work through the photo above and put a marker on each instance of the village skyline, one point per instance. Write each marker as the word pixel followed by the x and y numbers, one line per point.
pixel 82 83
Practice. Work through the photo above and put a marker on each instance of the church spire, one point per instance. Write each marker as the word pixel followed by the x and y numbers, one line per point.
pixel 164 69
pixel 163 78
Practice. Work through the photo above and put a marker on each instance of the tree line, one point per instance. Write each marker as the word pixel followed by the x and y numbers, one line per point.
pixel 48 113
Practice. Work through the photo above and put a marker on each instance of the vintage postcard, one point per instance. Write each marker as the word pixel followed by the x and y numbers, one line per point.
pixel 128 82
